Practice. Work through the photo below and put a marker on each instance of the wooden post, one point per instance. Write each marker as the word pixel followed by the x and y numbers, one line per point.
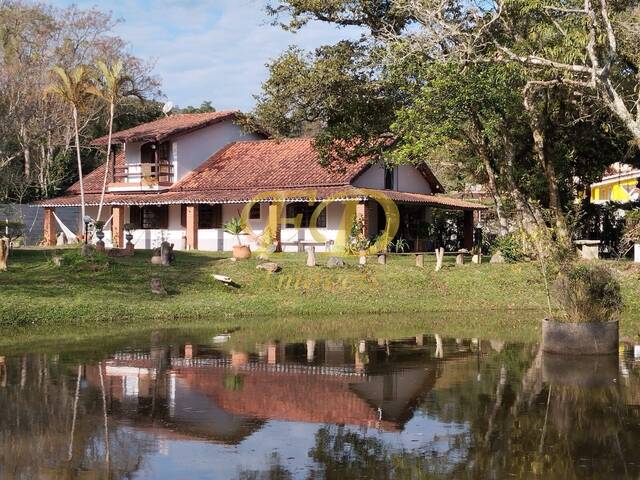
pixel 49 227
pixel 192 227
pixel 275 224
pixel 419 260
pixel 467 236
pixel 117 227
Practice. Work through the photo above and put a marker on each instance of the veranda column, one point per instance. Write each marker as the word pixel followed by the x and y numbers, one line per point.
pixel 362 213
pixel 192 227
pixel 117 227
pixel 467 237
pixel 275 224
pixel 49 230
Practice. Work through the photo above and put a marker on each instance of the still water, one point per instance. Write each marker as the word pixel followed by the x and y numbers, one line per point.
pixel 171 406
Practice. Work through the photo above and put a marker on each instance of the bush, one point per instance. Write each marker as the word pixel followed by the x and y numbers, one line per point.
pixel 510 247
pixel 588 293
pixel 74 260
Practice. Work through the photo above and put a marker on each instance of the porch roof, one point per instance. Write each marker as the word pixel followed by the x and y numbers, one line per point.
pixel 238 196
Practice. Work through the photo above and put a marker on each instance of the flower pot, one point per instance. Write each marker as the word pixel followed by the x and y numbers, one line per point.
pixel 585 338
pixel 100 234
pixel 241 251
pixel 129 237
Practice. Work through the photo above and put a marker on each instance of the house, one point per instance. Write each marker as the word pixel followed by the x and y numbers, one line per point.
pixel 181 177
pixel 619 184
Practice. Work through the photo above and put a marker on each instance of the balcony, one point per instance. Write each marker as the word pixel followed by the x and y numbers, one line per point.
pixel 142 177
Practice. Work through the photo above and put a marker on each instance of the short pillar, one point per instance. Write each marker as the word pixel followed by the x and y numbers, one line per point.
pixel 311 256
pixel 419 260
pixel 49 227
pixel 192 227
pixel 382 258
pixel 467 236
pixel 117 226
pixel 362 213
pixel 275 224
pixel 636 253
pixel 460 259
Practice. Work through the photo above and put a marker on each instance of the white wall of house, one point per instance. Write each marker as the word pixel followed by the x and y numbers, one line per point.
pixel 406 178
pixel 196 147
pixel 218 240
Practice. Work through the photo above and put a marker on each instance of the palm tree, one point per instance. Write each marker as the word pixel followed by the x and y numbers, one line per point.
pixel 72 87
pixel 113 85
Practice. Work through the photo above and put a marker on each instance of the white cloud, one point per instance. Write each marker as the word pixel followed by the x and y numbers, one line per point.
pixel 211 49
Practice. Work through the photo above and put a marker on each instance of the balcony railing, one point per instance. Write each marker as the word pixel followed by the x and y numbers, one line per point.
pixel 145 173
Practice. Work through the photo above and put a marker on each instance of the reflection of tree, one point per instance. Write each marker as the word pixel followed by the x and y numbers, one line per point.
pixel 37 402
pixel 346 454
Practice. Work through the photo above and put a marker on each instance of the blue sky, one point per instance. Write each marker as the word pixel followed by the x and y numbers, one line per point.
pixel 208 49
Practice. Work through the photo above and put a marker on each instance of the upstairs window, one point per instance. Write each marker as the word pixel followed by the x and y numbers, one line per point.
pixel 302 212
pixel 389 178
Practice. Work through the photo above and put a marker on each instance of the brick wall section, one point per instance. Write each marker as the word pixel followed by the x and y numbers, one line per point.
pixel 49 227
pixel 117 226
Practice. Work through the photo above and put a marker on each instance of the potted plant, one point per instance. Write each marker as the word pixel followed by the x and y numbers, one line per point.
pixel 590 302
pixel 235 226
pixel 99 229
pixel 129 227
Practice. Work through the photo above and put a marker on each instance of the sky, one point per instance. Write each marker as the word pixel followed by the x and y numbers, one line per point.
pixel 208 49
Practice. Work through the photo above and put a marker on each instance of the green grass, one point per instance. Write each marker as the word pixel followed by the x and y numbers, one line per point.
pixel 499 300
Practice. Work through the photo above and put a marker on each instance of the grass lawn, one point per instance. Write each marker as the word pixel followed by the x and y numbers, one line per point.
pixel 502 300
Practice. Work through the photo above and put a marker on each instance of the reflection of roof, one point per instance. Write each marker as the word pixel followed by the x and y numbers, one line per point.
pixel 291 397
pixel 168 126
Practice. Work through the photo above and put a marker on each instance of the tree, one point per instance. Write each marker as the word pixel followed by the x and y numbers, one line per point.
pixel 9 231
pixel 73 87
pixel 590 46
pixel 112 86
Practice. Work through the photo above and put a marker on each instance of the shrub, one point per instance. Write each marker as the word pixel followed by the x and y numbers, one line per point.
pixel 510 247
pixel 74 260
pixel 588 293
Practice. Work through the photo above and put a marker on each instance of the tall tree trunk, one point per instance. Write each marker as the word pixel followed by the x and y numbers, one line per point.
pixel 529 215
pixel 548 169
pixel 106 165
pixel 4 254
pixel 478 140
pixel 79 158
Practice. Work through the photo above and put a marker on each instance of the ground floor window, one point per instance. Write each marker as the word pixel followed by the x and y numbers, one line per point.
pixel 209 216
pixel 299 215
pixel 155 217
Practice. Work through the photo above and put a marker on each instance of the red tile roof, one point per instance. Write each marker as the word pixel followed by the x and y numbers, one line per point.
pixel 165 127
pixel 268 164
pixel 275 170
pixel 336 193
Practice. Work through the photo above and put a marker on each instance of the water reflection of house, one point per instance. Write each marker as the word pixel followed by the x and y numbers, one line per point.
pixel 206 393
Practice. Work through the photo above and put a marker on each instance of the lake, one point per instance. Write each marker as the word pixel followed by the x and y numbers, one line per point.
pixel 173 405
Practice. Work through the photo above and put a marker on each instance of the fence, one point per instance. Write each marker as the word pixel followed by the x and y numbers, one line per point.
pixel 33 219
